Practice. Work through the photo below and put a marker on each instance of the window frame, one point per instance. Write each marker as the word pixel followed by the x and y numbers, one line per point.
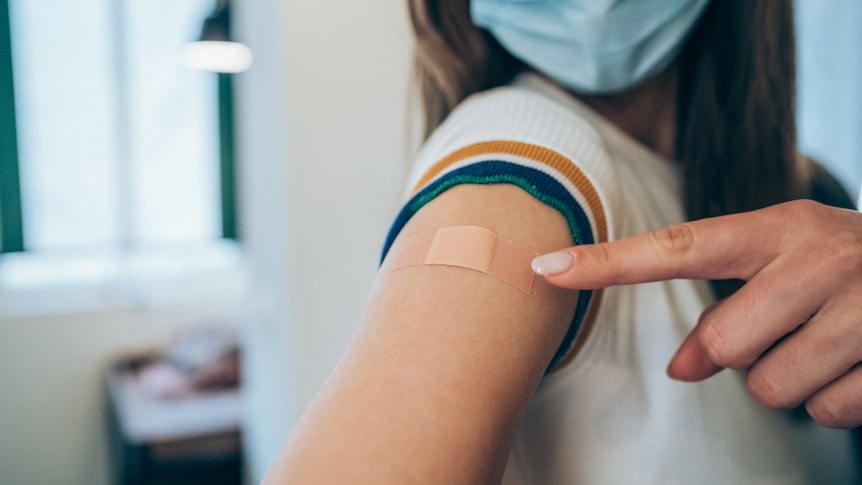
pixel 11 217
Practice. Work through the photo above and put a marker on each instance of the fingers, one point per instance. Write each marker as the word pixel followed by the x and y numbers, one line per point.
pixel 770 306
pixel 799 259
pixel 741 329
pixel 839 405
pixel 734 246
pixel 821 351
pixel 820 363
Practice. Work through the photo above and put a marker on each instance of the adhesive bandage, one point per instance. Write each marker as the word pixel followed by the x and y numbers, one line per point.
pixel 471 247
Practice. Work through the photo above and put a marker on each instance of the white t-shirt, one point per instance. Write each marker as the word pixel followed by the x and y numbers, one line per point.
pixel 606 413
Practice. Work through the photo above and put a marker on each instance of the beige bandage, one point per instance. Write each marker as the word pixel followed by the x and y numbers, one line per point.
pixel 471 247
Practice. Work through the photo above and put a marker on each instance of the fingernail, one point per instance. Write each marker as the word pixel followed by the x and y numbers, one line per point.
pixel 553 263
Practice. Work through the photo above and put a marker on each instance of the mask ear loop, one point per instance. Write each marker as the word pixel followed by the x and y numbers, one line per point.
pixel 470 247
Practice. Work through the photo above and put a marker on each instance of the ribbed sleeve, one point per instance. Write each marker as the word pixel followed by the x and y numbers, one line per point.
pixel 516 136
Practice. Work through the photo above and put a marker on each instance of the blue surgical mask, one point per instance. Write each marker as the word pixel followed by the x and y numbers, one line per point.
pixel 591 46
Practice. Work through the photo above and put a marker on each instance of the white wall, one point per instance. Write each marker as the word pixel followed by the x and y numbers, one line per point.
pixel 348 69
pixel 322 126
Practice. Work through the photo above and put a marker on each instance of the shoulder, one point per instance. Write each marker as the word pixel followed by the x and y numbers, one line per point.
pixel 531 134
pixel 529 113
pixel 536 139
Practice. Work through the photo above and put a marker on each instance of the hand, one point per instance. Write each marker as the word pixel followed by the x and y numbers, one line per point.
pixel 795 326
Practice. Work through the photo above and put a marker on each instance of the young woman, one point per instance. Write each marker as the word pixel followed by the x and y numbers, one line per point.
pixel 553 123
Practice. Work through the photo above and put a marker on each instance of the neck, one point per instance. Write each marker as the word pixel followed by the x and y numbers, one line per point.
pixel 646 112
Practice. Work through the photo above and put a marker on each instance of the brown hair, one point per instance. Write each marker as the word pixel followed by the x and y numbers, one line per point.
pixel 454 59
pixel 736 126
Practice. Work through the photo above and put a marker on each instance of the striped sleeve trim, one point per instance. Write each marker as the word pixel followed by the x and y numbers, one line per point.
pixel 556 164
pixel 546 175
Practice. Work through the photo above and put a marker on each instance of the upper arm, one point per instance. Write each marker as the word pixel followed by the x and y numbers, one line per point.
pixel 445 360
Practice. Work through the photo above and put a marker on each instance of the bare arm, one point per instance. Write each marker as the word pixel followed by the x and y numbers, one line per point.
pixel 444 363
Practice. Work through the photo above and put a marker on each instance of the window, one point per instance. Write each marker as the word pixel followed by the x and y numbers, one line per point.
pixel 830 86
pixel 114 154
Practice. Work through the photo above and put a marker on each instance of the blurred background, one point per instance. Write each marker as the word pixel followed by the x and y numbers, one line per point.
pixel 186 244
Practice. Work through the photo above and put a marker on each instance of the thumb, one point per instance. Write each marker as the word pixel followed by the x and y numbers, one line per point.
pixel 691 361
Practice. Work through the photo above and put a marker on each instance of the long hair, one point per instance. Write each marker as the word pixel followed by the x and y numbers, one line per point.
pixel 453 58
pixel 736 115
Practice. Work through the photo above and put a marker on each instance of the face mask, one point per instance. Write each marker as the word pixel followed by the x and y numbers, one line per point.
pixel 591 46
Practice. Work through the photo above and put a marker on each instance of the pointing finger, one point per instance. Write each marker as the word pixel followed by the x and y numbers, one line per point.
pixel 727 247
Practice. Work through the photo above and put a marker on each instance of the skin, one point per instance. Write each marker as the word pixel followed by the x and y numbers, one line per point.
pixel 796 325
pixel 444 363
pixel 647 113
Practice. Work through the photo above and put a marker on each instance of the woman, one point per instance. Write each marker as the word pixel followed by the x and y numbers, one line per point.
pixel 569 122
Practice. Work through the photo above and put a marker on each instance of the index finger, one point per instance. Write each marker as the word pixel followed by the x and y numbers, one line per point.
pixel 735 246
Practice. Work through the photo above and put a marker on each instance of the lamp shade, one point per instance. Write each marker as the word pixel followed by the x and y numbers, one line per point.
pixel 215 51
